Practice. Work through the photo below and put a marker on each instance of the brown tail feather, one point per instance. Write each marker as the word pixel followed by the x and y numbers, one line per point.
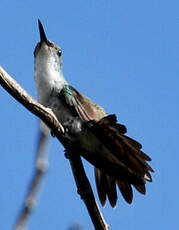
pixel 126 191
pixel 134 143
pixel 106 186
pixel 126 149
pixel 101 186
pixel 111 190
pixel 141 188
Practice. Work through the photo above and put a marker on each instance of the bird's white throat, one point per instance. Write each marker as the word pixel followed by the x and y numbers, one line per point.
pixel 48 75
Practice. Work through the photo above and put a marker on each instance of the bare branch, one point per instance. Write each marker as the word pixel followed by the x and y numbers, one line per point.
pixel 48 117
pixel 86 193
pixel 41 168
pixel 45 114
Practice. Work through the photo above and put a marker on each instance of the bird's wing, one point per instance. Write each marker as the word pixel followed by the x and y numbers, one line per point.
pixel 85 108
pixel 112 134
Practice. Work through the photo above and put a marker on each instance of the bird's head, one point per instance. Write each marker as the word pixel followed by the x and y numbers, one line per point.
pixel 46 49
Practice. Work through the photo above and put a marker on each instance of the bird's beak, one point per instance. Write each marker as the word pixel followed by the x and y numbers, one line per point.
pixel 43 37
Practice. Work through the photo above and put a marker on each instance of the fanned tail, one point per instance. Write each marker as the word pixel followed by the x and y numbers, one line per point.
pixel 128 151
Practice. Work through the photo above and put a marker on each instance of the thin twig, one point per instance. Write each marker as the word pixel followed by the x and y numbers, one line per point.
pixel 41 168
pixel 48 117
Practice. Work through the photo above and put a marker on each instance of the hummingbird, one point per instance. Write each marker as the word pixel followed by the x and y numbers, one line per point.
pixel 117 159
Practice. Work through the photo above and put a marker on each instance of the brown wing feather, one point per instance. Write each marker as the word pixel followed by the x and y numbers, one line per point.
pixel 86 108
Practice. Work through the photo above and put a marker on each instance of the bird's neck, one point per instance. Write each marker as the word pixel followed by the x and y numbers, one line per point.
pixel 49 77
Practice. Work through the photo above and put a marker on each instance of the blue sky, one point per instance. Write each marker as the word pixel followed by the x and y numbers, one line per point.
pixel 122 54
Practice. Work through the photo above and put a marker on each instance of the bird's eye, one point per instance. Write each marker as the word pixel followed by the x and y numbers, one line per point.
pixel 59 52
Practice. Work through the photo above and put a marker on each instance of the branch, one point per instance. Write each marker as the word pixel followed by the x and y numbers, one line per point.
pixel 48 117
pixel 41 168
pixel 16 91
pixel 86 192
